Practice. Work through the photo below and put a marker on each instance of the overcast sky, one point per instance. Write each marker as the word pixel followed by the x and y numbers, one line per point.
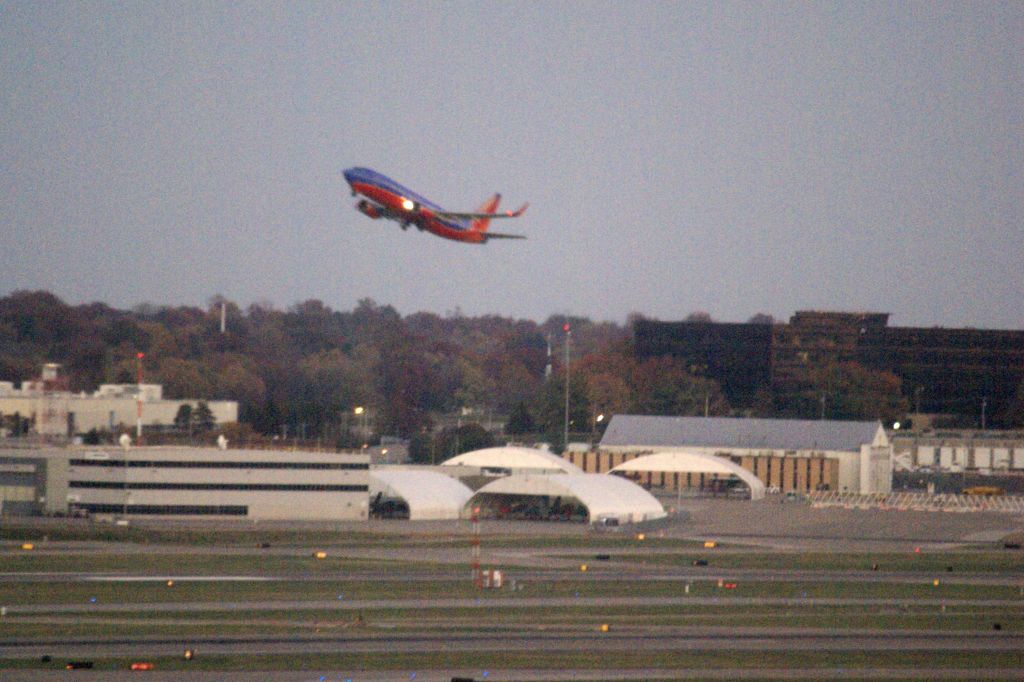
pixel 733 158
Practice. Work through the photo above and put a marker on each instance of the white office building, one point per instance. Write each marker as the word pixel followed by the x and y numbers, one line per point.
pixel 54 412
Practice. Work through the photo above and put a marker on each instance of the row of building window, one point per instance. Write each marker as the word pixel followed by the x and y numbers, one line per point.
pixel 275 487
pixel 166 509
pixel 171 464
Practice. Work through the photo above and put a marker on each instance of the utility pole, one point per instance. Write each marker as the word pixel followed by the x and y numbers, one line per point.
pixel 984 404
pixel 458 428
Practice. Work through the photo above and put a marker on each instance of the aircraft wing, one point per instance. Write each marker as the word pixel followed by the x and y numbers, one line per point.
pixel 499 235
pixel 453 215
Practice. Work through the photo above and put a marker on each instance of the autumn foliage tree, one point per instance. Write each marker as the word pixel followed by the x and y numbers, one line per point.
pixel 663 386
pixel 304 369
pixel 851 391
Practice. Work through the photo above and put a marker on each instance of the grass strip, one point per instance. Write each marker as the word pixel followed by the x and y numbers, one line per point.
pixel 569 587
pixel 189 563
pixel 461 532
pixel 568 660
pixel 958 563
pixel 327 622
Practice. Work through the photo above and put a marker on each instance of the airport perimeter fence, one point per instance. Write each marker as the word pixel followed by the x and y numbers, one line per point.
pixel 918 502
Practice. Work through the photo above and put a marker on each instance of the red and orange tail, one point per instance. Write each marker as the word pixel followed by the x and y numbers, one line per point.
pixel 489 206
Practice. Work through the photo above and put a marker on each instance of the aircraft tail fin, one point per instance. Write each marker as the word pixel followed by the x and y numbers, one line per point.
pixel 489 206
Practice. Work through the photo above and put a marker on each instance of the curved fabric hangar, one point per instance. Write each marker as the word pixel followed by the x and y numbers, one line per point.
pixel 416 495
pixel 595 498
pixel 692 463
pixel 511 459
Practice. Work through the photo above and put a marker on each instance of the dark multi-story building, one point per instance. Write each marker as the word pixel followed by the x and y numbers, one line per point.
pixel 737 356
pixel 953 371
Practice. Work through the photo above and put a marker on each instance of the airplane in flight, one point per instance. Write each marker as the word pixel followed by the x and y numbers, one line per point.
pixel 385 198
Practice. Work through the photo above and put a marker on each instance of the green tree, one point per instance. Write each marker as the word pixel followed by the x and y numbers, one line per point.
pixel 549 408
pixel 475 388
pixel 520 421
pixel 238 378
pixel 465 438
pixel 422 448
pixel 203 417
pixel 183 419
pixel 181 378
pixel 325 386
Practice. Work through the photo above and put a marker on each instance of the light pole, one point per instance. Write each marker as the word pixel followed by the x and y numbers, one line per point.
pixel 568 338
pixel 360 412
pixel 138 397
pixel 597 422
pixel 125 441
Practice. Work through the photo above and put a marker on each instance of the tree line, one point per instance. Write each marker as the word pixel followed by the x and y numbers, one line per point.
pixel 303 371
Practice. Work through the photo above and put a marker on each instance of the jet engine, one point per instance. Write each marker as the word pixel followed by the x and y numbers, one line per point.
pixel 366 208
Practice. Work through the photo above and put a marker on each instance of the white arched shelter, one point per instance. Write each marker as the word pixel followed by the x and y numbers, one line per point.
pixel 514 458
pixel 692 463
pixel 429 495
pixel 604 497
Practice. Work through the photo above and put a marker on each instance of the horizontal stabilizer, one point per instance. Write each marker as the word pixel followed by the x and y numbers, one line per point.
pixel 452 215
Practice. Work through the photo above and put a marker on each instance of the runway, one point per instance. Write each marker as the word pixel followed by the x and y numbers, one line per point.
pixel 401 605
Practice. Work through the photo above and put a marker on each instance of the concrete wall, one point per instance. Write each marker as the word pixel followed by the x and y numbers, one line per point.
pixel 51 412
pixel 190 482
